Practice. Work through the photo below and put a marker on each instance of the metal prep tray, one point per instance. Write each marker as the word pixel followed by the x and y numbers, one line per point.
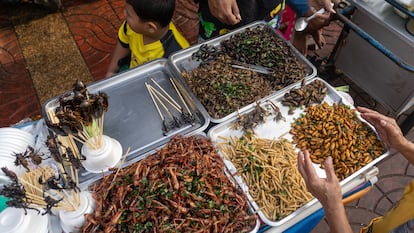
pixel 271 130
pixel 226 171
pixel 182 60
pixel 132 117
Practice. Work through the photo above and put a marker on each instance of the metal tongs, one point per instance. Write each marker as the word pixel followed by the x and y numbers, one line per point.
pixel 255 68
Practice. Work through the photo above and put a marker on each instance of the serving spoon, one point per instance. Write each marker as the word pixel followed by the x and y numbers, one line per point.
pixel 302 22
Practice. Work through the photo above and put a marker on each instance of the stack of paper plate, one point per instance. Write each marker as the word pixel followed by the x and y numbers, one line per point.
pixel 12 142
pixel 20 220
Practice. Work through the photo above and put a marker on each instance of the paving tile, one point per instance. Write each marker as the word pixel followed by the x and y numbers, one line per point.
pixel 71 3
pixel 384 204
pixel 322 227
pixel 368 201
pixel 389 183
pixel 397 165
pixel 94 27
pixel 18 99
pixel 118 6
pixel 91 19
pixel 97 52
pixel 186 19
pixel 358 217
pixel 5 22
pixel 410 171
pixel 9 47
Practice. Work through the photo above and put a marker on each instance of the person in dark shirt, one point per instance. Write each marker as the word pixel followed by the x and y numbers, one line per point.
pixel 219 16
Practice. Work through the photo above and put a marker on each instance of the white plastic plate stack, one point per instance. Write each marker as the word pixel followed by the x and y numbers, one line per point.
pixel 12 142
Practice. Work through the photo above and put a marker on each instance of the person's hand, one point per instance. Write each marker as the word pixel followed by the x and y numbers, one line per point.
pixel 327 4
pixel 226 11
pixel 326 190
pixel 314 26
pixel 319 21
pixel 387 128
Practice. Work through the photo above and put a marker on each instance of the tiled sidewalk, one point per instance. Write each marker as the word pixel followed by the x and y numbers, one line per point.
pixel 93 26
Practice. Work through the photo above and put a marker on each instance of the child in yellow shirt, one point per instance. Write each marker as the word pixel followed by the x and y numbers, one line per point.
pixel 146 34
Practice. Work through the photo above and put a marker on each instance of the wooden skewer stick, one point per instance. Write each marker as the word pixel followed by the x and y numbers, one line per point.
pixel 181 97
pixel 120 166
pixel 163 105
pixel 162 89
pixel 168 101
pixel 67 141
pixel 186 95
pixel 40 190
pixel 155 103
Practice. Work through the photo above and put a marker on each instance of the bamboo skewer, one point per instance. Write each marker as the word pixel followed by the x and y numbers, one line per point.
pixel 163 105
pixel 186 95
pixel 67 142
pixel 162 89
pixel 155 103
pixel 41 190
pixel 168 101
pixel 180 96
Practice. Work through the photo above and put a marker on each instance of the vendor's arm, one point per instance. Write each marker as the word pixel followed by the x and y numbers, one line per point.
pixel 118 53
pixel 226 11
pixel 389 132
pixel 327 191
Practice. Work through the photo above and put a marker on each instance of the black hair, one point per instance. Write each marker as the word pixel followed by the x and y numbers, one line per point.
pixel 160 11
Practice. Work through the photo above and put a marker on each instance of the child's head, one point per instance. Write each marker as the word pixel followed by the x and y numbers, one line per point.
pixel 160 11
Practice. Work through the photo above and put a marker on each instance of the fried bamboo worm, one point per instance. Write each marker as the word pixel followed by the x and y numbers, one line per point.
pixel 169 97
pixel 181 97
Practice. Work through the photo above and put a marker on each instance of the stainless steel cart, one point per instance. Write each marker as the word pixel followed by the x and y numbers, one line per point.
pixel 377 53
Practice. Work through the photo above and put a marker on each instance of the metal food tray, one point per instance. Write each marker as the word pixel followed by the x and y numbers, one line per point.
pixel 132 117
pixel 226 171
pixel 182 60
pixel 271 130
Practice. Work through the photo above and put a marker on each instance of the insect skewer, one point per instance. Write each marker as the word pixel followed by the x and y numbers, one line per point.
pixel 181 97
pixel 70 143
pixel 39 198
pixel 169 97
pixel 47 172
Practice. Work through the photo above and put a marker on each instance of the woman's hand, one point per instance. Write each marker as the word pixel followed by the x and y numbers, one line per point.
pixel 387 128
pixel 326 190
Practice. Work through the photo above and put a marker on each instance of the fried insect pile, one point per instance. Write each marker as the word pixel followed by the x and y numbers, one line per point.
pixel 80 113
pixel 223 89
pixel 181 188
pixel 307 94
pixel 250 120
pixel 336 131
pixel 259 46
